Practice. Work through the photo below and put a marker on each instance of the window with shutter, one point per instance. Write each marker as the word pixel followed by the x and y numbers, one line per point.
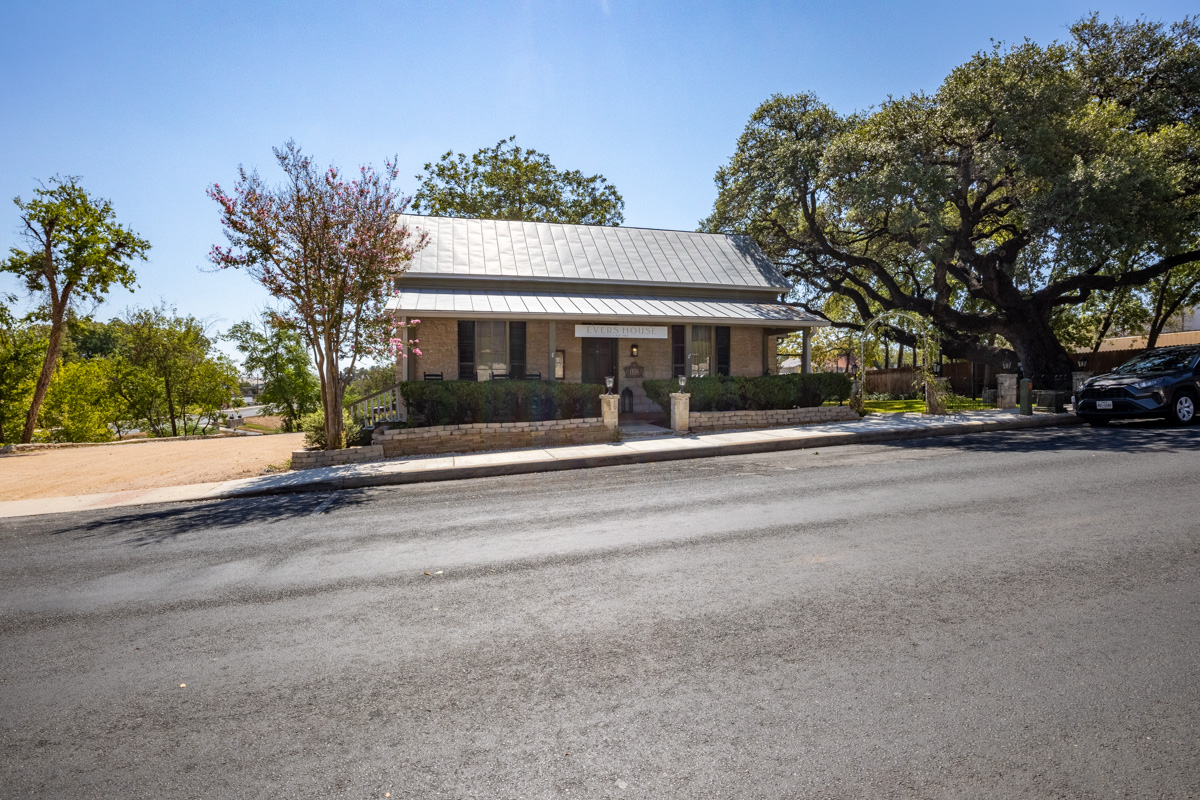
pixel 722 349
pixel 678 350
pixel 466 350
pixel 516 350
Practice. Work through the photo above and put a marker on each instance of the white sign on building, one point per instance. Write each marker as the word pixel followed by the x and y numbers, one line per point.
pixel 621 331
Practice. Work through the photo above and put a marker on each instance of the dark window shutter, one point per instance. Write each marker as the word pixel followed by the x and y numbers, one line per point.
pixel 722 349
pixel 466 350
pixel 678 350
pixel 516 350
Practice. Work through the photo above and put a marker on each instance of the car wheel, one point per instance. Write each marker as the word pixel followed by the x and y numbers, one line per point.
pixel 1183 408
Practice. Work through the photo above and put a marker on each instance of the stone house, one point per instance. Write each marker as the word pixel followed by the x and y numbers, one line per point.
pixel 499 299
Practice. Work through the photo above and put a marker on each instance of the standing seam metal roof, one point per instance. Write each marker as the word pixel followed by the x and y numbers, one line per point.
pixel 563 305
pixel 581 253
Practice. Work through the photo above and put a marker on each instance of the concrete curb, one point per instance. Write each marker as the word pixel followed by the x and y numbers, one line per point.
pixel 621 458
pixel 519 462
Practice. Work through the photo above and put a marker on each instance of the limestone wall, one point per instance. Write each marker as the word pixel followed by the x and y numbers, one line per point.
pixel 461 439
pixel 702 421
pixel 490 436
pixel 439 349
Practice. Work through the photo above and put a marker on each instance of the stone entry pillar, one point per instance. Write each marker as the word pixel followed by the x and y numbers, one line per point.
pixel 608 410
pixel 680 408
pixel 1006 390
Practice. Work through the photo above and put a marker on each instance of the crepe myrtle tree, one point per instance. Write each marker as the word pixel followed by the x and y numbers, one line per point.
pixel 330 247
pixel 1032 179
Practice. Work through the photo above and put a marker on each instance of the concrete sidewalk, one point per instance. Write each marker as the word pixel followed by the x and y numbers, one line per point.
pixel 873 428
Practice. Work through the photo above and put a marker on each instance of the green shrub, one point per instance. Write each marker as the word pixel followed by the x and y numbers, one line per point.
pixel 313 426
pixel 723 393
pixel 459 402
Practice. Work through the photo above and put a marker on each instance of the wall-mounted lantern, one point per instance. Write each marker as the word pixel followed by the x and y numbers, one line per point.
pixel 633 351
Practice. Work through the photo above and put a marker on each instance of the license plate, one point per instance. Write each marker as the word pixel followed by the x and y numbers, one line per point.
pixel 1104 405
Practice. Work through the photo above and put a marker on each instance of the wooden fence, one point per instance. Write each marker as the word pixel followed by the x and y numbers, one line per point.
pixel 966 378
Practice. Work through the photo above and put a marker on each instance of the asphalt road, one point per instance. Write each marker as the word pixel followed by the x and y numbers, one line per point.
pixel 1000 615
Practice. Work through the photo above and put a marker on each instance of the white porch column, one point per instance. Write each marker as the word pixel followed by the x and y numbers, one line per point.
pixel 806 357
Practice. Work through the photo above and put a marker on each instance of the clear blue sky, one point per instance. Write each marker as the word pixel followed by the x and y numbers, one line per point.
pixel 150 103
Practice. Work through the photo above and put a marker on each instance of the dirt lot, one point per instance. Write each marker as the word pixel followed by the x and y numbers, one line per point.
pixel 142 465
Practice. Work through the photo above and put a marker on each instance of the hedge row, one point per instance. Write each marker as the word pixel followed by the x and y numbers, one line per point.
pixel 461 402
pixel 722 393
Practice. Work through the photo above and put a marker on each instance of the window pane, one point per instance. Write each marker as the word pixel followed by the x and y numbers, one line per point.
pixel 701 351
pixel 491 345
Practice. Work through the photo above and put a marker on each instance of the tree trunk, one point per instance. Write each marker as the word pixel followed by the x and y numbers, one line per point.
pixel 171 407
pixel 48 367
pixel 331 399
pixel 1043 358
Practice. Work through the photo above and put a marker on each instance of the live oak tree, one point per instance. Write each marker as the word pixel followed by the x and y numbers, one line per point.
pixel 75 249
pixel 330 248
pixel 1032 179
pixel 508 182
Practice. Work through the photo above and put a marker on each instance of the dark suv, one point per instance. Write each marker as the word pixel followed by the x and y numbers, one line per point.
pixel 1159 383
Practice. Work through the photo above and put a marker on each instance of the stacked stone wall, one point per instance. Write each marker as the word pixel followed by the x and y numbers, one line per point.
pixel 491 436
pixel 311 459
pixel 393 443
pixel 702 421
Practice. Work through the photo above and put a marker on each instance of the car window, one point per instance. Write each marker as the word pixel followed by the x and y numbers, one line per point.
pixel 1158 361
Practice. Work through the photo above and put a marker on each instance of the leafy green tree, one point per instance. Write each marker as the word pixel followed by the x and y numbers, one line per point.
pixel 75 249
pixel 170 374
pixel 368 380
pixel 1170 293
pixel 22 346
pixel 81 405
pixel 276 352
pixel 1034 178
pixel 508 182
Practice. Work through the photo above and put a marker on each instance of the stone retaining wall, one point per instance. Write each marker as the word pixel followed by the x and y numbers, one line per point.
pixel 395 442
pixel 491 436
pixel 311 459
pixel 701 421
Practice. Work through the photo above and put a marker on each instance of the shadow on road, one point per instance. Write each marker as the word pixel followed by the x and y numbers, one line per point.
pixel 166 523
pixel 1140 436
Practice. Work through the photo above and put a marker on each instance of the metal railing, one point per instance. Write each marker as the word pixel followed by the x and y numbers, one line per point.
pixel 386 405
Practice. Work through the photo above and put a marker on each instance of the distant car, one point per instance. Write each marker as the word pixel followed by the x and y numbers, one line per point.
pixel 1164 382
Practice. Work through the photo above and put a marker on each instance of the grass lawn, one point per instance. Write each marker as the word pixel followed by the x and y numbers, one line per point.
pixel 893 406
pixel 953 403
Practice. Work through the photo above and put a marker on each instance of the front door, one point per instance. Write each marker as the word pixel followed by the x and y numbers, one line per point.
pixel 599 360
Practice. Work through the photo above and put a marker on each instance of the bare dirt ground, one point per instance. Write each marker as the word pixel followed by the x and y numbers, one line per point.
pixel 144 465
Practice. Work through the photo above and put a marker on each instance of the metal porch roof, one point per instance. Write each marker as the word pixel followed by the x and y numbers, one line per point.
pixel 581 253
pixel 641 308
